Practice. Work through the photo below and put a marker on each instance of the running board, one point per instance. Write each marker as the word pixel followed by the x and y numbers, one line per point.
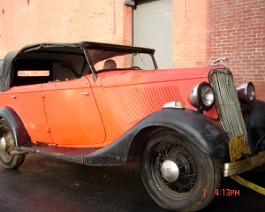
pixel 76 155
pixel 113 154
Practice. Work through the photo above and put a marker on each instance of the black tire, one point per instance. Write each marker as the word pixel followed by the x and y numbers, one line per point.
pixel 199 175
pixel 8 159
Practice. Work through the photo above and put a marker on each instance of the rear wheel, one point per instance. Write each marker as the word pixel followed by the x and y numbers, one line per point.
pixel 8 158
pixel 176 174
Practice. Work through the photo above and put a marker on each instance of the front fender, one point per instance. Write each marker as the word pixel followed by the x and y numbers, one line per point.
pixel 254 116
pixel 203 132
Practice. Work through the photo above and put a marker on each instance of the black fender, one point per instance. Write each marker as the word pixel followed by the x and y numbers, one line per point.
pixel 200 130
pixel 16 125
pixel 254 116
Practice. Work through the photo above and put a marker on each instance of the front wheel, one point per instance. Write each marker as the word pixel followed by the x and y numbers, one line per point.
pixel 7 142
pixel 176 174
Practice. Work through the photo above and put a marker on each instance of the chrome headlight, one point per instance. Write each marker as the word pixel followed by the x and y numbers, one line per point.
pixel 202 96
pixel 246 93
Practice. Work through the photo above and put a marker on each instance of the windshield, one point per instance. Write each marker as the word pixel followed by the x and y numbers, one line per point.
pixel 104 60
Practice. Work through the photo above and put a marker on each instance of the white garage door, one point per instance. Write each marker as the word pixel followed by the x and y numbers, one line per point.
pixel 153 29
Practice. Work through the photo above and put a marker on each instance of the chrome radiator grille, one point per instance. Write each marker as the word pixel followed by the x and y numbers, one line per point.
pixel 227 104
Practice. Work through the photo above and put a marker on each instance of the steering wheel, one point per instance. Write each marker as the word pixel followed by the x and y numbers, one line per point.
pixel 135 68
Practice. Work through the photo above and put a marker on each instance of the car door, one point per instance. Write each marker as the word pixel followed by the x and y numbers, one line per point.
pixel 27 102
pixel 72 115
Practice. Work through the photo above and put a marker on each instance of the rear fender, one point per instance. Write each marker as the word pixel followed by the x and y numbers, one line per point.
pixel 15 124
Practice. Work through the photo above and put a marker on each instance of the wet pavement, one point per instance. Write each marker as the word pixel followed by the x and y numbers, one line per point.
pixel 48 184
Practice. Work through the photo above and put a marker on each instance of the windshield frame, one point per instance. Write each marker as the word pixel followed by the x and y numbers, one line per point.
pixel 114 50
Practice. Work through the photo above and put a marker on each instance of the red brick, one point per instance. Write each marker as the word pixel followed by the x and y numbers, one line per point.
pixel 202 30
pixel 24 22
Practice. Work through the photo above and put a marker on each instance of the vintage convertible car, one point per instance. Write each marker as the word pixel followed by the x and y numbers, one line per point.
pixel 99 104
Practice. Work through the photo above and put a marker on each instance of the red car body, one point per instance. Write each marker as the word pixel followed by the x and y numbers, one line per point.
pixel 56 100
pixel 114 103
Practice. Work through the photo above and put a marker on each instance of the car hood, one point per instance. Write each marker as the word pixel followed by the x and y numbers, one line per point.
pixel 133 95
pixel 132 77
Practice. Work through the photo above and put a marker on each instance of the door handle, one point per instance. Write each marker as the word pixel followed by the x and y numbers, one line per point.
pixel 84 93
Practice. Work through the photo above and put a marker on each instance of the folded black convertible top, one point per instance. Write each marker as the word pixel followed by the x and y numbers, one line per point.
pixel 6 65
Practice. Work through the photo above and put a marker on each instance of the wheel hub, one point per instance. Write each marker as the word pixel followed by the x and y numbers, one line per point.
pixel 170 171
pixel 3 143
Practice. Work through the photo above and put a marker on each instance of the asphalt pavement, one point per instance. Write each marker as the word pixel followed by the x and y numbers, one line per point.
pixel 48 184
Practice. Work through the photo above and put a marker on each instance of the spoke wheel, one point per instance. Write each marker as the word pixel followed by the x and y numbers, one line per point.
pixel 176 174
pixel 7 158
pixel 185 163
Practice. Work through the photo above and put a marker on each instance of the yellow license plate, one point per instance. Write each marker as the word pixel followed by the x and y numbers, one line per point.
pixel 237 147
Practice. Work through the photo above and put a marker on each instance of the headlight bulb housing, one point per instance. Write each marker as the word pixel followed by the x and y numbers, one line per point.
pixel 202 96
pixel 246 93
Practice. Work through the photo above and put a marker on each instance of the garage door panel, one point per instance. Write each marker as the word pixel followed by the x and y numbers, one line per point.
pixel 153 28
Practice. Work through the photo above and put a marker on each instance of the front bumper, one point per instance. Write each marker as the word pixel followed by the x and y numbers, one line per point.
pixel 238 167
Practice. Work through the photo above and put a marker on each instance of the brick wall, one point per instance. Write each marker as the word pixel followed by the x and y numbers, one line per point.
pixel 202 30
pixel 29 21
pixel 237 30
pixel 206 30
pixel 190 33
